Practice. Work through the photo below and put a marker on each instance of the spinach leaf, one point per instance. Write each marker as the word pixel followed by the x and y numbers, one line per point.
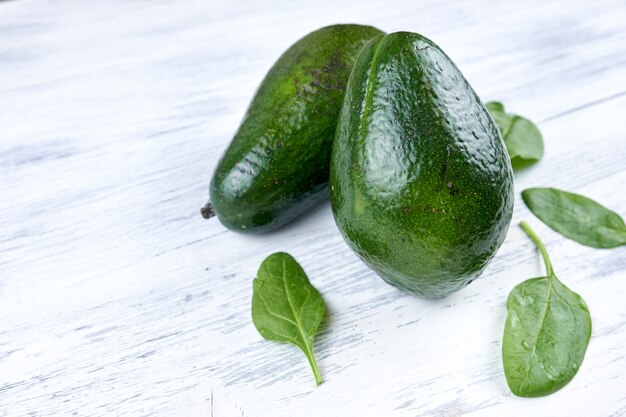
pixel 286 307
pixel 522 138
pixel 576 217
pixel 547 331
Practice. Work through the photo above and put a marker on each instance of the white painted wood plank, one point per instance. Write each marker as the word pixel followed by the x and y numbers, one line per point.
pixel 116 298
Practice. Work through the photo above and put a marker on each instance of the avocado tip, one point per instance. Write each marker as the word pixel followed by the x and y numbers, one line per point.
pixel 207 211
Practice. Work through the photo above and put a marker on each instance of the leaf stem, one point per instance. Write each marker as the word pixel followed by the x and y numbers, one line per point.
pixel 311 357
pixel 544 253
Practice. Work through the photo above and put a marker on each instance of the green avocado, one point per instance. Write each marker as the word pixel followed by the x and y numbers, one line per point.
pixel 421 185
pixel 276 166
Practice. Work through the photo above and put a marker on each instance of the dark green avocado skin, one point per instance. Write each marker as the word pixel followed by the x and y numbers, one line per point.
pixel 421 183
pixel 276 166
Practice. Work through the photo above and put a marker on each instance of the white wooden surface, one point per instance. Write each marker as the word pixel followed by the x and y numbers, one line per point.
pixel 117 299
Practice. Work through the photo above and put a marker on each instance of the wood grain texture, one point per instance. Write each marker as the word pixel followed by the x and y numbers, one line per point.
pixel 117 298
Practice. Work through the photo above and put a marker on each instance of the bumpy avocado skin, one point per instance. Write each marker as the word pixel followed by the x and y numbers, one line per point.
pixel 421 183
pixel 276 166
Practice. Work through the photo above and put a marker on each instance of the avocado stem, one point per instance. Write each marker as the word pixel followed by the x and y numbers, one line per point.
pixel 207 211
pixel 544 253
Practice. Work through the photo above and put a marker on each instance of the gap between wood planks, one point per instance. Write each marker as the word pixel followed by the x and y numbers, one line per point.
pixel 583 106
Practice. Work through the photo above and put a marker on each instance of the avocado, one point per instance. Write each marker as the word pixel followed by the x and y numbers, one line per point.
pixel 276 166
pixel 421 184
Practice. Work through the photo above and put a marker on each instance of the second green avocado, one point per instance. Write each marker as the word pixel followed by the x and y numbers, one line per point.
pixel 276 166
pixel 420 181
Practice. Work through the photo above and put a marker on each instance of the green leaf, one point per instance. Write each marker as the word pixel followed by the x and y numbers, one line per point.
pixel 576 217
pixel 547 331
pixel 286 307
pixel 522 138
